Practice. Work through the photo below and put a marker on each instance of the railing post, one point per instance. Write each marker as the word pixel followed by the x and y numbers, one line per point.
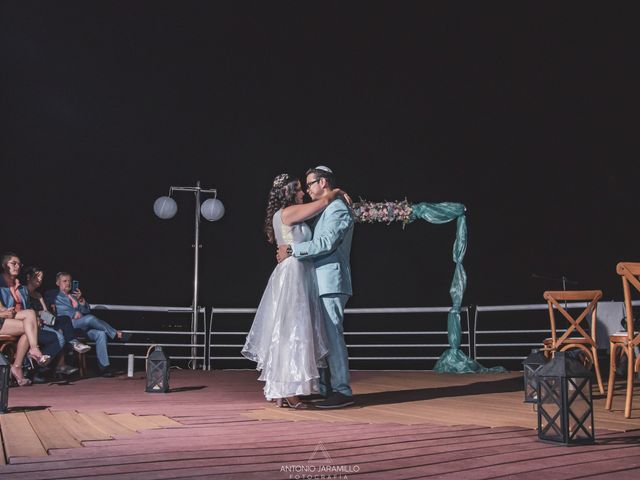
pixel 472 311
pixel 207 340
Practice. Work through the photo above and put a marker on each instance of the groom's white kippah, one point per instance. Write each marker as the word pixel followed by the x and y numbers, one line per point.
pixel 322 167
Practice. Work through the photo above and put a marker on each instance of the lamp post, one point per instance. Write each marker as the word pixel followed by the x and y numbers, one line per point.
pixel 212 210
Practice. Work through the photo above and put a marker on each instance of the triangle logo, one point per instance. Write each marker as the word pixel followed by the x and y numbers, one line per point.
pixel 320 455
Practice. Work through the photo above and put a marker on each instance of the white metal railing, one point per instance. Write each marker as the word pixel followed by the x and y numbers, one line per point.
pixel 205 337
pixel 198 337
pixel 504 333
pixel 349 311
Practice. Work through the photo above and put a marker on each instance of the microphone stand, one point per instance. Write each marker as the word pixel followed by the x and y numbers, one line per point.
pixel 562 279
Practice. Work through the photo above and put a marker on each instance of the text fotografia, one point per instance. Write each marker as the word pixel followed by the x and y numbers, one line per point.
pixel 319 472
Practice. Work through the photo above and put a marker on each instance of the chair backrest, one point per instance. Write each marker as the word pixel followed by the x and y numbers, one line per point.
pixel 629 273
pixel 8 344
pixel 50 299
pixel 554 297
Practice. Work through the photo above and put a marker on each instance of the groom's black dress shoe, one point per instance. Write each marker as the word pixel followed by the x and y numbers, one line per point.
pixel 336 400
pixel 312 397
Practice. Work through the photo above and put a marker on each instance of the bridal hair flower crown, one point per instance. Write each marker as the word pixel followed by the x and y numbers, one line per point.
pixel 281 180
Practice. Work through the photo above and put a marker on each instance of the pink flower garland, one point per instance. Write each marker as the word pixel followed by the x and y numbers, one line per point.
pixel 382 212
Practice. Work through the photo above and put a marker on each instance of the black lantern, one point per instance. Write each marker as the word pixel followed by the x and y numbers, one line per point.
pixel 157 372
pixel 531 365
pixel 565 408
pixel 5 367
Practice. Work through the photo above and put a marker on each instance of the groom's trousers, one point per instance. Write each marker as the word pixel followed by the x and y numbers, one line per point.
pixel 335 378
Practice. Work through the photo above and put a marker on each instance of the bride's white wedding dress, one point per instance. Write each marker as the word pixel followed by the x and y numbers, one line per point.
pixel 287 338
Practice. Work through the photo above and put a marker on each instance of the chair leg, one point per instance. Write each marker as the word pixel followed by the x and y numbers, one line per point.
pixel 596 365
pixel 612 375
pixel 82 364
pixel 627 405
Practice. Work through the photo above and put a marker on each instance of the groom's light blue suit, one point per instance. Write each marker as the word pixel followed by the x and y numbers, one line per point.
pixel 330 249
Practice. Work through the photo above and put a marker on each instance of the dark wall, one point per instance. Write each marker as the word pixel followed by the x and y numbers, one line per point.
pixel 525 115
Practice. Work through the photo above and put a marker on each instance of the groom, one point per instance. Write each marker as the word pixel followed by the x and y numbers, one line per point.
pixel 330 249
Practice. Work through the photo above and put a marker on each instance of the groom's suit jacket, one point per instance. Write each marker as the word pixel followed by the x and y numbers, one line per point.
pixel 330 248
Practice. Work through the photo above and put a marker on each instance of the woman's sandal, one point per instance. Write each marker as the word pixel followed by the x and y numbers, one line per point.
pixel 295 403
pixel 291 402
pixel 16 372
pixel 36 355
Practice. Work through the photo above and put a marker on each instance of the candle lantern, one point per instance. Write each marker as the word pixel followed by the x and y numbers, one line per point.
pixel 565 407
pixel 157 371
pixel 531 365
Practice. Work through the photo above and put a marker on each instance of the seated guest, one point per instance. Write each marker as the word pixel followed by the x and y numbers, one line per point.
pixel 74 305
pixel 22 324
pixel 18 298
pixel 62 327
pixel 16 320
pixel 51 346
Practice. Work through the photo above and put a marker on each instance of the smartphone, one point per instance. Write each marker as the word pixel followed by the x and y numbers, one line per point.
pixel 74 285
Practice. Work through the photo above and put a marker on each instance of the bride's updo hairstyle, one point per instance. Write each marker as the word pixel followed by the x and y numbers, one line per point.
pixel 281 195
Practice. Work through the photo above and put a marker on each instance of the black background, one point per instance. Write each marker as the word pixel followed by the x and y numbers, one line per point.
pixel 527 115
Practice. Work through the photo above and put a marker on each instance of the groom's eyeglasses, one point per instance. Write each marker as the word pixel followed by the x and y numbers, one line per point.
pixel 308 186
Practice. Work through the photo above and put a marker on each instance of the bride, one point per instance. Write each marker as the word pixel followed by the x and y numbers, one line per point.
pixel 287 338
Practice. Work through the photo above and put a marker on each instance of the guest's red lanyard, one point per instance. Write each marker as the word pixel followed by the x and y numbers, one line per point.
pixel 16 296
pixel 74 302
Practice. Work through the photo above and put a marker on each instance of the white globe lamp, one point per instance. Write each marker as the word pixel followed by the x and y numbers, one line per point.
pixel 165 208
pixel 212 209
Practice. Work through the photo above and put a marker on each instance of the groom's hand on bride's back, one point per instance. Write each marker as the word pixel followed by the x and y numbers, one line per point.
pixel 282 252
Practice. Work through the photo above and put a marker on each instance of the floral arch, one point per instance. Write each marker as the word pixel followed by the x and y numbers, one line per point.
pixel 453 359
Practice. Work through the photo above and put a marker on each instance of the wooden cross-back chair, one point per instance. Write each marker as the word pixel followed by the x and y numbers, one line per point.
pixel 625 342
pixel 575 337
pixel 8 345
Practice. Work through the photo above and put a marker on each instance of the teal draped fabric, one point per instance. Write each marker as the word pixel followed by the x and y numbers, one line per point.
pixel 453 360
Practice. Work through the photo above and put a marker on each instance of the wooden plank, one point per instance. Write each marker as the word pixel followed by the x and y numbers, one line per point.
pixel 50 431
pixel 161 421
pixel 20 439
pixel 133 422
pixel 105 423
pixel 79 427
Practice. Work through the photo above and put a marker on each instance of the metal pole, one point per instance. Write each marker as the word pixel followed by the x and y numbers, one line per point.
pixel 194 321
pixel 196 246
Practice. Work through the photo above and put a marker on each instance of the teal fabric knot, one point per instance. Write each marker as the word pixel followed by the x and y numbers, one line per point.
pixel 453 360
pixel 437 212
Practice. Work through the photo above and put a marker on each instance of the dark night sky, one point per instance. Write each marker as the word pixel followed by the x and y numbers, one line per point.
pixel 527 115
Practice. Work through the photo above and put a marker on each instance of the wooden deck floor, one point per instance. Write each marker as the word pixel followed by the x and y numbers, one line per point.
pixel 405 425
